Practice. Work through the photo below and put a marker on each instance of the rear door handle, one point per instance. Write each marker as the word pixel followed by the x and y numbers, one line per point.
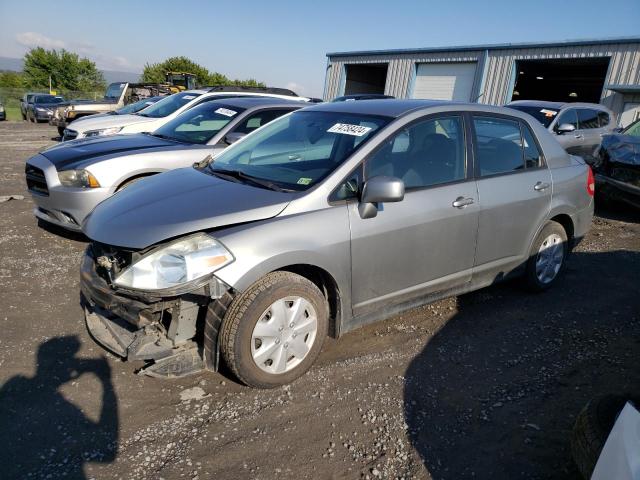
pixel 540 186
pixel 462 202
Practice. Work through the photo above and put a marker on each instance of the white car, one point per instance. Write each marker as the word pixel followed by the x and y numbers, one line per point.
pixel 165 110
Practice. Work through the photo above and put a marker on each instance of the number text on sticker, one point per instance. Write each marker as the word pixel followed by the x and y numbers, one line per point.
pixel 347 129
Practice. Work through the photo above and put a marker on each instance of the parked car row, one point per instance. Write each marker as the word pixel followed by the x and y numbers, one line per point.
pixel 289 222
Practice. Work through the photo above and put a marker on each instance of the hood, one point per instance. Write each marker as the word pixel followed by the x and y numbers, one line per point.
pixel 97 122
pixel 176 203
pixel 82 152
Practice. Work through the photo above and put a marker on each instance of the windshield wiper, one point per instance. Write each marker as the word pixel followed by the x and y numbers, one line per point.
pixel 238 175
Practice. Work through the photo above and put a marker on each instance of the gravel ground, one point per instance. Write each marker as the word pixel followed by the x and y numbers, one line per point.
pixel 485 385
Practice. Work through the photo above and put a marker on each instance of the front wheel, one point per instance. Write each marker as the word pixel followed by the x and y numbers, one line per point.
pixel 273 332
pixel 547 257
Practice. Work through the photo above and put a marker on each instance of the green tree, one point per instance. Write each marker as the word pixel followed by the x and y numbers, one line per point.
pixel 155 73
pixel 67 70
pixel 11 79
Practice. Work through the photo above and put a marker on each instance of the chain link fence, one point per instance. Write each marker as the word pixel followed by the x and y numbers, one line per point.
pixel 10 98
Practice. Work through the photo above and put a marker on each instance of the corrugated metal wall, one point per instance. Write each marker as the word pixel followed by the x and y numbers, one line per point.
pixel 496 85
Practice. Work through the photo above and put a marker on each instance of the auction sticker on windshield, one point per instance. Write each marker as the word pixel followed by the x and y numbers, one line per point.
pixel 348 129
pixel 549 113
pixel 188 97
pixel 226 112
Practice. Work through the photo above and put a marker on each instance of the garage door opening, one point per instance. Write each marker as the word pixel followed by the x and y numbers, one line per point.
pixel 574 80
pixel 367 78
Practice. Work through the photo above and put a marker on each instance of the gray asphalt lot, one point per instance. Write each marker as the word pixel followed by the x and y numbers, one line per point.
pixel 486 385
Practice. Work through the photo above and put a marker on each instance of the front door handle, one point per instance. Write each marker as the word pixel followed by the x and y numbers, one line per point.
pixel 462 202
pixel 540 186
pixel 578 136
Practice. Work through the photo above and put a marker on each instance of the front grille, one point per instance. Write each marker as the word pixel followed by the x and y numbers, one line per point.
pixel 69 135
pixel 36 181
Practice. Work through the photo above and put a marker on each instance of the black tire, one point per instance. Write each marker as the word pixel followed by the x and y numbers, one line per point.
pixel 61 131
pixel 531 278
pixel 592 427
pixel 245 311
pixel 24 117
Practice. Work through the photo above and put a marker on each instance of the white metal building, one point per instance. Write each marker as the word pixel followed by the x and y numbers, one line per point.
pixel 601 71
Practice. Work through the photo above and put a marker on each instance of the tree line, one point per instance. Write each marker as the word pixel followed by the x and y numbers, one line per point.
pixel 70 72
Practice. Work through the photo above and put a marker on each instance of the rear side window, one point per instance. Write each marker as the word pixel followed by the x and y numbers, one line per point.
pixel 587 118
pixel 498 145
pixel 603 119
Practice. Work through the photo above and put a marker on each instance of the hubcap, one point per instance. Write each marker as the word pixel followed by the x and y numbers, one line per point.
pixel 549 259
pixel 284 334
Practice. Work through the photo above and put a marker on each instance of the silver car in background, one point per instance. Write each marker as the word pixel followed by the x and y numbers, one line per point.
pixel 327 219
pixel 579 127
pixel 68 180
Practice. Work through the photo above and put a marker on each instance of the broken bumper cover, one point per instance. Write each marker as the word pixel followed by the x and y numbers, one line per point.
pixel 156 329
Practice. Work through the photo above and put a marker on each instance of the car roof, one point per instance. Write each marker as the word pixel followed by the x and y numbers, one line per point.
pixel 556 105
pixel 383 107
pixel 251 102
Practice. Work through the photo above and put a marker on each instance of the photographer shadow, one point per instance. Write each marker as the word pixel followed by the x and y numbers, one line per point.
pixel 42 433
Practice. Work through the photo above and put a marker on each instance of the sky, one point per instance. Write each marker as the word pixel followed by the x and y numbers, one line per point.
pixel 284 43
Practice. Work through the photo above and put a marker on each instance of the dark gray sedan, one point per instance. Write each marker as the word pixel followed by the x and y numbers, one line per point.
pixel 42 106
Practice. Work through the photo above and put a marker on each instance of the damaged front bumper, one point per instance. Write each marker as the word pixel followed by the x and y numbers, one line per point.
pixel 175 335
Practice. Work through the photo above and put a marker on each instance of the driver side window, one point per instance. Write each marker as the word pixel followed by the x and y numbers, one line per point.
pixel 426 153
pixel 568 116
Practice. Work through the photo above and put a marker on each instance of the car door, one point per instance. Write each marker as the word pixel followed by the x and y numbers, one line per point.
pixel 589 127
pixel 572 142
pixel 426 242
pixel 514 192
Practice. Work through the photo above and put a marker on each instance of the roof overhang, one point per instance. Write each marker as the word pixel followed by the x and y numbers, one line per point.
pixel 623 88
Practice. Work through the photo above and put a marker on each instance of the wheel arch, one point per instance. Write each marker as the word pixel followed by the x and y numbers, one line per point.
pixel 327 285
pixel 122 181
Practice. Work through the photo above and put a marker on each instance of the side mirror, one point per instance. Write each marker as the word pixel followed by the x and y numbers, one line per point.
pixel 233 137
pixel 565 128
pixel 379 189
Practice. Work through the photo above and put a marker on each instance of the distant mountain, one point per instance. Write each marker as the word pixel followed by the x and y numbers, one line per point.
pixel 15 65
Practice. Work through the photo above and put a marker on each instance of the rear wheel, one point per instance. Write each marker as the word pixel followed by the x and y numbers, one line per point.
pixel 274 331
pixel 547 257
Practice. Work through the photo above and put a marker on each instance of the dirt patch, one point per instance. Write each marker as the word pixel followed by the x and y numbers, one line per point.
pixel 486 385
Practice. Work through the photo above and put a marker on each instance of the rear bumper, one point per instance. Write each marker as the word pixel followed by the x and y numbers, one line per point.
pixel 64 207
pixel 621 191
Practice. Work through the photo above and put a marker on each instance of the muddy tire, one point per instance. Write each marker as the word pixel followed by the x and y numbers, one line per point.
pixel 273 332
pixel 592 427
pixel 547 257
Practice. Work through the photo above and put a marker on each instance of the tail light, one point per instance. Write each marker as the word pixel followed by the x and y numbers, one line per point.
pixel 591 182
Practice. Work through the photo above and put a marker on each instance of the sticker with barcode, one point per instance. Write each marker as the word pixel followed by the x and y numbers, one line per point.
pixel 226 112
pixel 348 129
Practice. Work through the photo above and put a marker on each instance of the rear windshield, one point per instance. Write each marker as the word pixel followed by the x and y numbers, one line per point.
pixel 199 124
pixel 48 99
pixel 168 105
pixel 298 151
pixel 544 115
pixel 114 90
pixel 137 106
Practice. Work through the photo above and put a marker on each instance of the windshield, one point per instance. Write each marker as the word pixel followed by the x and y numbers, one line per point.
pixel 48 99
pixel 115 90
pixel 544 115
pixel 633 129
pixel 199 124
pixel 168 105
pixel 137 106
pixel 299 150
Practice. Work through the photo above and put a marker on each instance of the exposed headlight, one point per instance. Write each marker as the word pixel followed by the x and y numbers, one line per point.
pixel 77 178
pixel 1 108
pixel 40 109
pixel 102 131
pixel 176 264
